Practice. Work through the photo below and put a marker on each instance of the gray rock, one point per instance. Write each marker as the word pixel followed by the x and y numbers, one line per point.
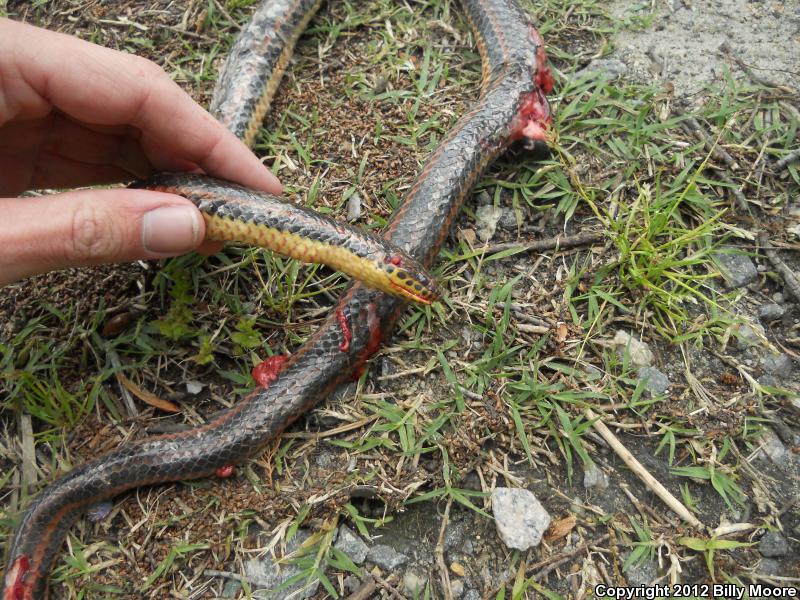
pixel 456 538
pixel 604 68
pixel 508 219
pixel 231 588
pixel 483 198
pixel 352 584
pixel 737 268
pixel 414 584
pixel 772 448
pixel 641 573
pixel 387 367
pixel 749 335
pixel 323 459
pixel 351 544
pixel 656 383
pixel 770 566
pixel 520 518
pixel 487 217
pixel 266 574
pixel 771 311
pixel 472 595
pixel 779 365
pixel 639 352
pixel 768 381
pixel 353 207
pixel 386 557
pixel 594 478
pixel 194 387
pixel 456 587
pixel 773 545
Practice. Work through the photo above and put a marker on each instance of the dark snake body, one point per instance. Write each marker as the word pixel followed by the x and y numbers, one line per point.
pixel 514 79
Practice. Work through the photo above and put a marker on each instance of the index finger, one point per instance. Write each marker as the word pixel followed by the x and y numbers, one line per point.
pixel 100 86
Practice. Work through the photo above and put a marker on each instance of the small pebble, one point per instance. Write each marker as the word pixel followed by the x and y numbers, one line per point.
pixel 771 311
pixel 639 352
pixel 773 545
pixel 413 584
pixel 520 518
pixel 353 207
pixel 594 478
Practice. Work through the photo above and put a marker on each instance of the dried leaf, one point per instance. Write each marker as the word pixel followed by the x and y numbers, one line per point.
pixel 560 528
pixel 147 397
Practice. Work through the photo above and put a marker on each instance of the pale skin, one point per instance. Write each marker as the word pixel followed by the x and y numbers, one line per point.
pixel 74 114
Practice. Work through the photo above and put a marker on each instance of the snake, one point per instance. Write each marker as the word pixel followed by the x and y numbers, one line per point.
pixel 511 107
pixel 234 213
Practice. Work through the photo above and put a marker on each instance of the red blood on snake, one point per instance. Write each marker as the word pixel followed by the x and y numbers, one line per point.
pixel 267 370
pixel 347 334
pixel 18 590
pixel 225 472
pixel 374 342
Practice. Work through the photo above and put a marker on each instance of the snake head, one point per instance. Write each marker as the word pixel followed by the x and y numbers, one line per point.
pixel 408 280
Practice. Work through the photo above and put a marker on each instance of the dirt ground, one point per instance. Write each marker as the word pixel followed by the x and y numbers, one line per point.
pixel 385 490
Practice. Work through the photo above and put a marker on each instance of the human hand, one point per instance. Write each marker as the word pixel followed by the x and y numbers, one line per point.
pixel 76 114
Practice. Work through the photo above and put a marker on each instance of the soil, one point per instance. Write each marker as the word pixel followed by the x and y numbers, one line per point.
pixel 692 44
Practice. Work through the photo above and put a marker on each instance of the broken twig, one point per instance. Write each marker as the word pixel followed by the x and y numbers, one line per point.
pixel 561 242
pixel 792 283
pixel 786 160
pixel 640 471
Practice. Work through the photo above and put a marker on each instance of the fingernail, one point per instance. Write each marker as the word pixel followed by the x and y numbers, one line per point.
pixel 171 230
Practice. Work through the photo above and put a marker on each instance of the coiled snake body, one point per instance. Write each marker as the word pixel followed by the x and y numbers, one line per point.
pixel 512 106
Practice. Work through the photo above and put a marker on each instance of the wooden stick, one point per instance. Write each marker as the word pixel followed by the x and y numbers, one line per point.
pixel 792 283
pixel 365 591
pixel 439 552
pixel 643 474
pixel 560 242
pixel 789 158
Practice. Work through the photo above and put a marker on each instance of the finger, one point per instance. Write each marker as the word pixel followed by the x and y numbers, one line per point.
pixel 92 227
pixel 58 134
pixel 55 172
pixel 104 87
pixel 69 139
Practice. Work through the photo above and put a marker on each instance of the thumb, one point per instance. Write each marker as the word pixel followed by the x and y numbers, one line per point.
pixel 91 227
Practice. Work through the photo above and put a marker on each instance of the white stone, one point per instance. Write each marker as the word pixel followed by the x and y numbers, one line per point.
pixel 640 353
pixel 521 519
